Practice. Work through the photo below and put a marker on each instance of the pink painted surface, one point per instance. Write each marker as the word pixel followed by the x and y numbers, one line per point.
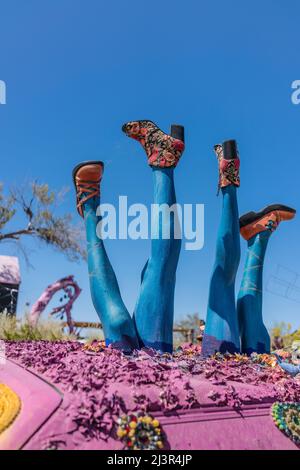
pixel 9 270
pixel 193 430
pixel 39 400
pixel 205 428
pixel 202 404
pixel 215 429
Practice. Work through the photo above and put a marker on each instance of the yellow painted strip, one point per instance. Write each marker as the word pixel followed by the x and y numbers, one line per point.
pixel 10 406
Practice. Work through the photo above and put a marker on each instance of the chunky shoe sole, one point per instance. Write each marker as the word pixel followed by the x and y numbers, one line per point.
pixel 251 217
pixel 80 165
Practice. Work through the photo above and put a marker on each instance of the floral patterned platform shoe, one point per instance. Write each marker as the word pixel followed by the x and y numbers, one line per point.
pixel 229 164
pixel 163 150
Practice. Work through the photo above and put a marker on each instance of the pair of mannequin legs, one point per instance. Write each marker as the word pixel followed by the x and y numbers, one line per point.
pixel 152 322
pixel 230 326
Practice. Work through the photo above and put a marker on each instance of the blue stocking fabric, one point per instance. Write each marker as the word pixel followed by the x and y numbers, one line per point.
pixel 154 310
pixel 290 369
pixel 254 335
pixel 221 329
pixel 118 326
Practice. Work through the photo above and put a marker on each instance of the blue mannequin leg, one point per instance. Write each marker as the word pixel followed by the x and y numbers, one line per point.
pixel 118 326
pixel 254 335
pixel 221 329
pixel 154 310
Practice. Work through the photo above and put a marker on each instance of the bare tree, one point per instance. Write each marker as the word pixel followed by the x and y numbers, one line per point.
pixel 33 210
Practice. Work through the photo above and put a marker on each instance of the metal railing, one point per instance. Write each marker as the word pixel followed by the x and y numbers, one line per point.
pixel 188 333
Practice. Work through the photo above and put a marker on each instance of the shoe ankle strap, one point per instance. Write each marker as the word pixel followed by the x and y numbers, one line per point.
pixel 86 191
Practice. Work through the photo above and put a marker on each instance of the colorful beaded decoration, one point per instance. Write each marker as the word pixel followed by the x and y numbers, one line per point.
pixel 287 418
pixel 10 406
pixel 140 431
pixel 95 346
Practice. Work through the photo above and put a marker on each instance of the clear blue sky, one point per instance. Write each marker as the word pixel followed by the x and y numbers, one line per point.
pixel 76 70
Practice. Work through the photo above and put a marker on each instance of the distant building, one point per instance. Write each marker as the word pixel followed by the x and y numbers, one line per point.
pixel 10 280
